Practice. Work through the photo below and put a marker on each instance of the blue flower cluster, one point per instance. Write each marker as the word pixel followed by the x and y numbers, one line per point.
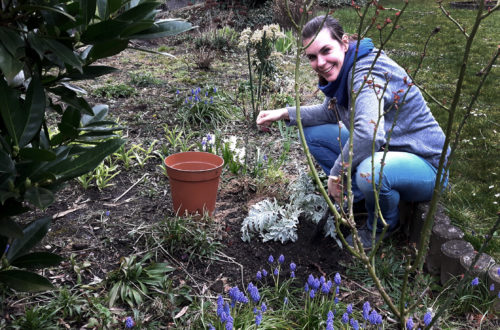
pixel 224 313
pixel 237 296
pixel 314 285
pixel 196 96
pixel 129 322
pixel 254 292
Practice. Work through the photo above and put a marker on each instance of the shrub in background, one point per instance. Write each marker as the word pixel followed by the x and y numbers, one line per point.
pixel 44 45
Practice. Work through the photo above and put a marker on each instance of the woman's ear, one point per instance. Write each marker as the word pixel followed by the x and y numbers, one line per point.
pixel 345 42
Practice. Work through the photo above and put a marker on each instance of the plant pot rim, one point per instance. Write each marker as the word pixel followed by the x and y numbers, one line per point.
pixel 194 156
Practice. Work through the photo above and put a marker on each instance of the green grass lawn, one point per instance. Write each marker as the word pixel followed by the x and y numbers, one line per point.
pixel 472 201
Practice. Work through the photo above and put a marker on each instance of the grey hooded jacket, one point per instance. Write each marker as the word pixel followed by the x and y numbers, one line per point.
pixel 382 100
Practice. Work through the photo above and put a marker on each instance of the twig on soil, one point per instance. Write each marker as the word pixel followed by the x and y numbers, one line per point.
pixel 231 260
pixel 132 186
pixel 63 213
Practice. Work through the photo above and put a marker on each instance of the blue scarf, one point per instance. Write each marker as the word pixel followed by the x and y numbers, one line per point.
pixel 338 88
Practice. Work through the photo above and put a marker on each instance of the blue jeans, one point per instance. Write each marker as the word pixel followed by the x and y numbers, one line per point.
pixel 405 176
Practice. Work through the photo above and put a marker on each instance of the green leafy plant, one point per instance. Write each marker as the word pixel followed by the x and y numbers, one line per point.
pixel 36 318
pixel 204 107
pixel 185 237
pixel 144 79
pixel 272 221
pixel 104 173
pixel 44 47
pixel 133 280
pixel 285 43
pixel 114 91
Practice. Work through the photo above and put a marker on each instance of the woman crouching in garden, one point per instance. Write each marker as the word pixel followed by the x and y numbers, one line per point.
pixel 415 138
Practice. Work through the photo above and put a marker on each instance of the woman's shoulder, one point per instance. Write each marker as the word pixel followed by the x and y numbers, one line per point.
pixel 384 64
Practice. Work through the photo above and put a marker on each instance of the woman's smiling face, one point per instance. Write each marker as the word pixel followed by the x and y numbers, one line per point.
pixel 326 54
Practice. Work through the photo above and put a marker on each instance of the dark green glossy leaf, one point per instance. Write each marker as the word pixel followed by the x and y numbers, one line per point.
pixel 107 7
pixel 42 155
pixel 40 197
pixel 11 207
pixel 9 65
pixel 10 228
pixel 106 49
pixel 136 28
pixel 29 120
pixel 7 165
pixel 164 28
pixel 91 72
pixel 74 88
pixel 24 281
pixel 37 44
pixel 70 122
pixel 64 53
pixel 95 137
pixel 100 111
pixel 88 8
pixel 8 107
pixel 12 41
pixel 37 260
pixel 70 97
pixel 103 31
pixel 87 161
pixel 139 12
pixel 5 195
pixel 32 234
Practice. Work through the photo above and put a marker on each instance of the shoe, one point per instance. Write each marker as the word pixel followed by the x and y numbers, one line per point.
pixel 365 235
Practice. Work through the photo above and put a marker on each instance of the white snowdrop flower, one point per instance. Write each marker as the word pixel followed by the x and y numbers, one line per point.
pixel 497 195
pixel 495 203
pixel 491 187
pixel 473 194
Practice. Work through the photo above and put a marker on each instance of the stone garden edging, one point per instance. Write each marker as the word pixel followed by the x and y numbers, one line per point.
pixel 449 254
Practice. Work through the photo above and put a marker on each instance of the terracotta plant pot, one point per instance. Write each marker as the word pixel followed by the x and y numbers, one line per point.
pixel 194 180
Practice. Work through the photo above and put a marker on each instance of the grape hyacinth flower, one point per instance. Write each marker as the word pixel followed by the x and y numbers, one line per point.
pixel 276 272
pixel 285 301
pixel 270 259
pixel 475 282
pixel 354 324
pixel 258 318
pixel 254 292
pixel 293 266
pixel 7 247
pixel 211 327
pixel 310 280
pixel 259 275
pixel 337 279
pixel 427 318
pixel 366 310
pixel 237 296
pixel 329 321
pixel 292 274
pixel 306 287
pixel 375 318
pixel 264 272
pixel 492 287
pixel 325 287
pixel 281 258
pixel 410 324
pixel 345 318
pixel 311 294
pixel 263 307
pixel 129 322
pixel 349 309
pixel 107 213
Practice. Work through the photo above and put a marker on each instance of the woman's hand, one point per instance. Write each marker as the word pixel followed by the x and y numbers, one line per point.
pixel 335 189
pixel 267 117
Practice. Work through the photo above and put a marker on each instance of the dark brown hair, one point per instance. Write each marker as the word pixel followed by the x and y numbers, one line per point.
pixel 333 25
